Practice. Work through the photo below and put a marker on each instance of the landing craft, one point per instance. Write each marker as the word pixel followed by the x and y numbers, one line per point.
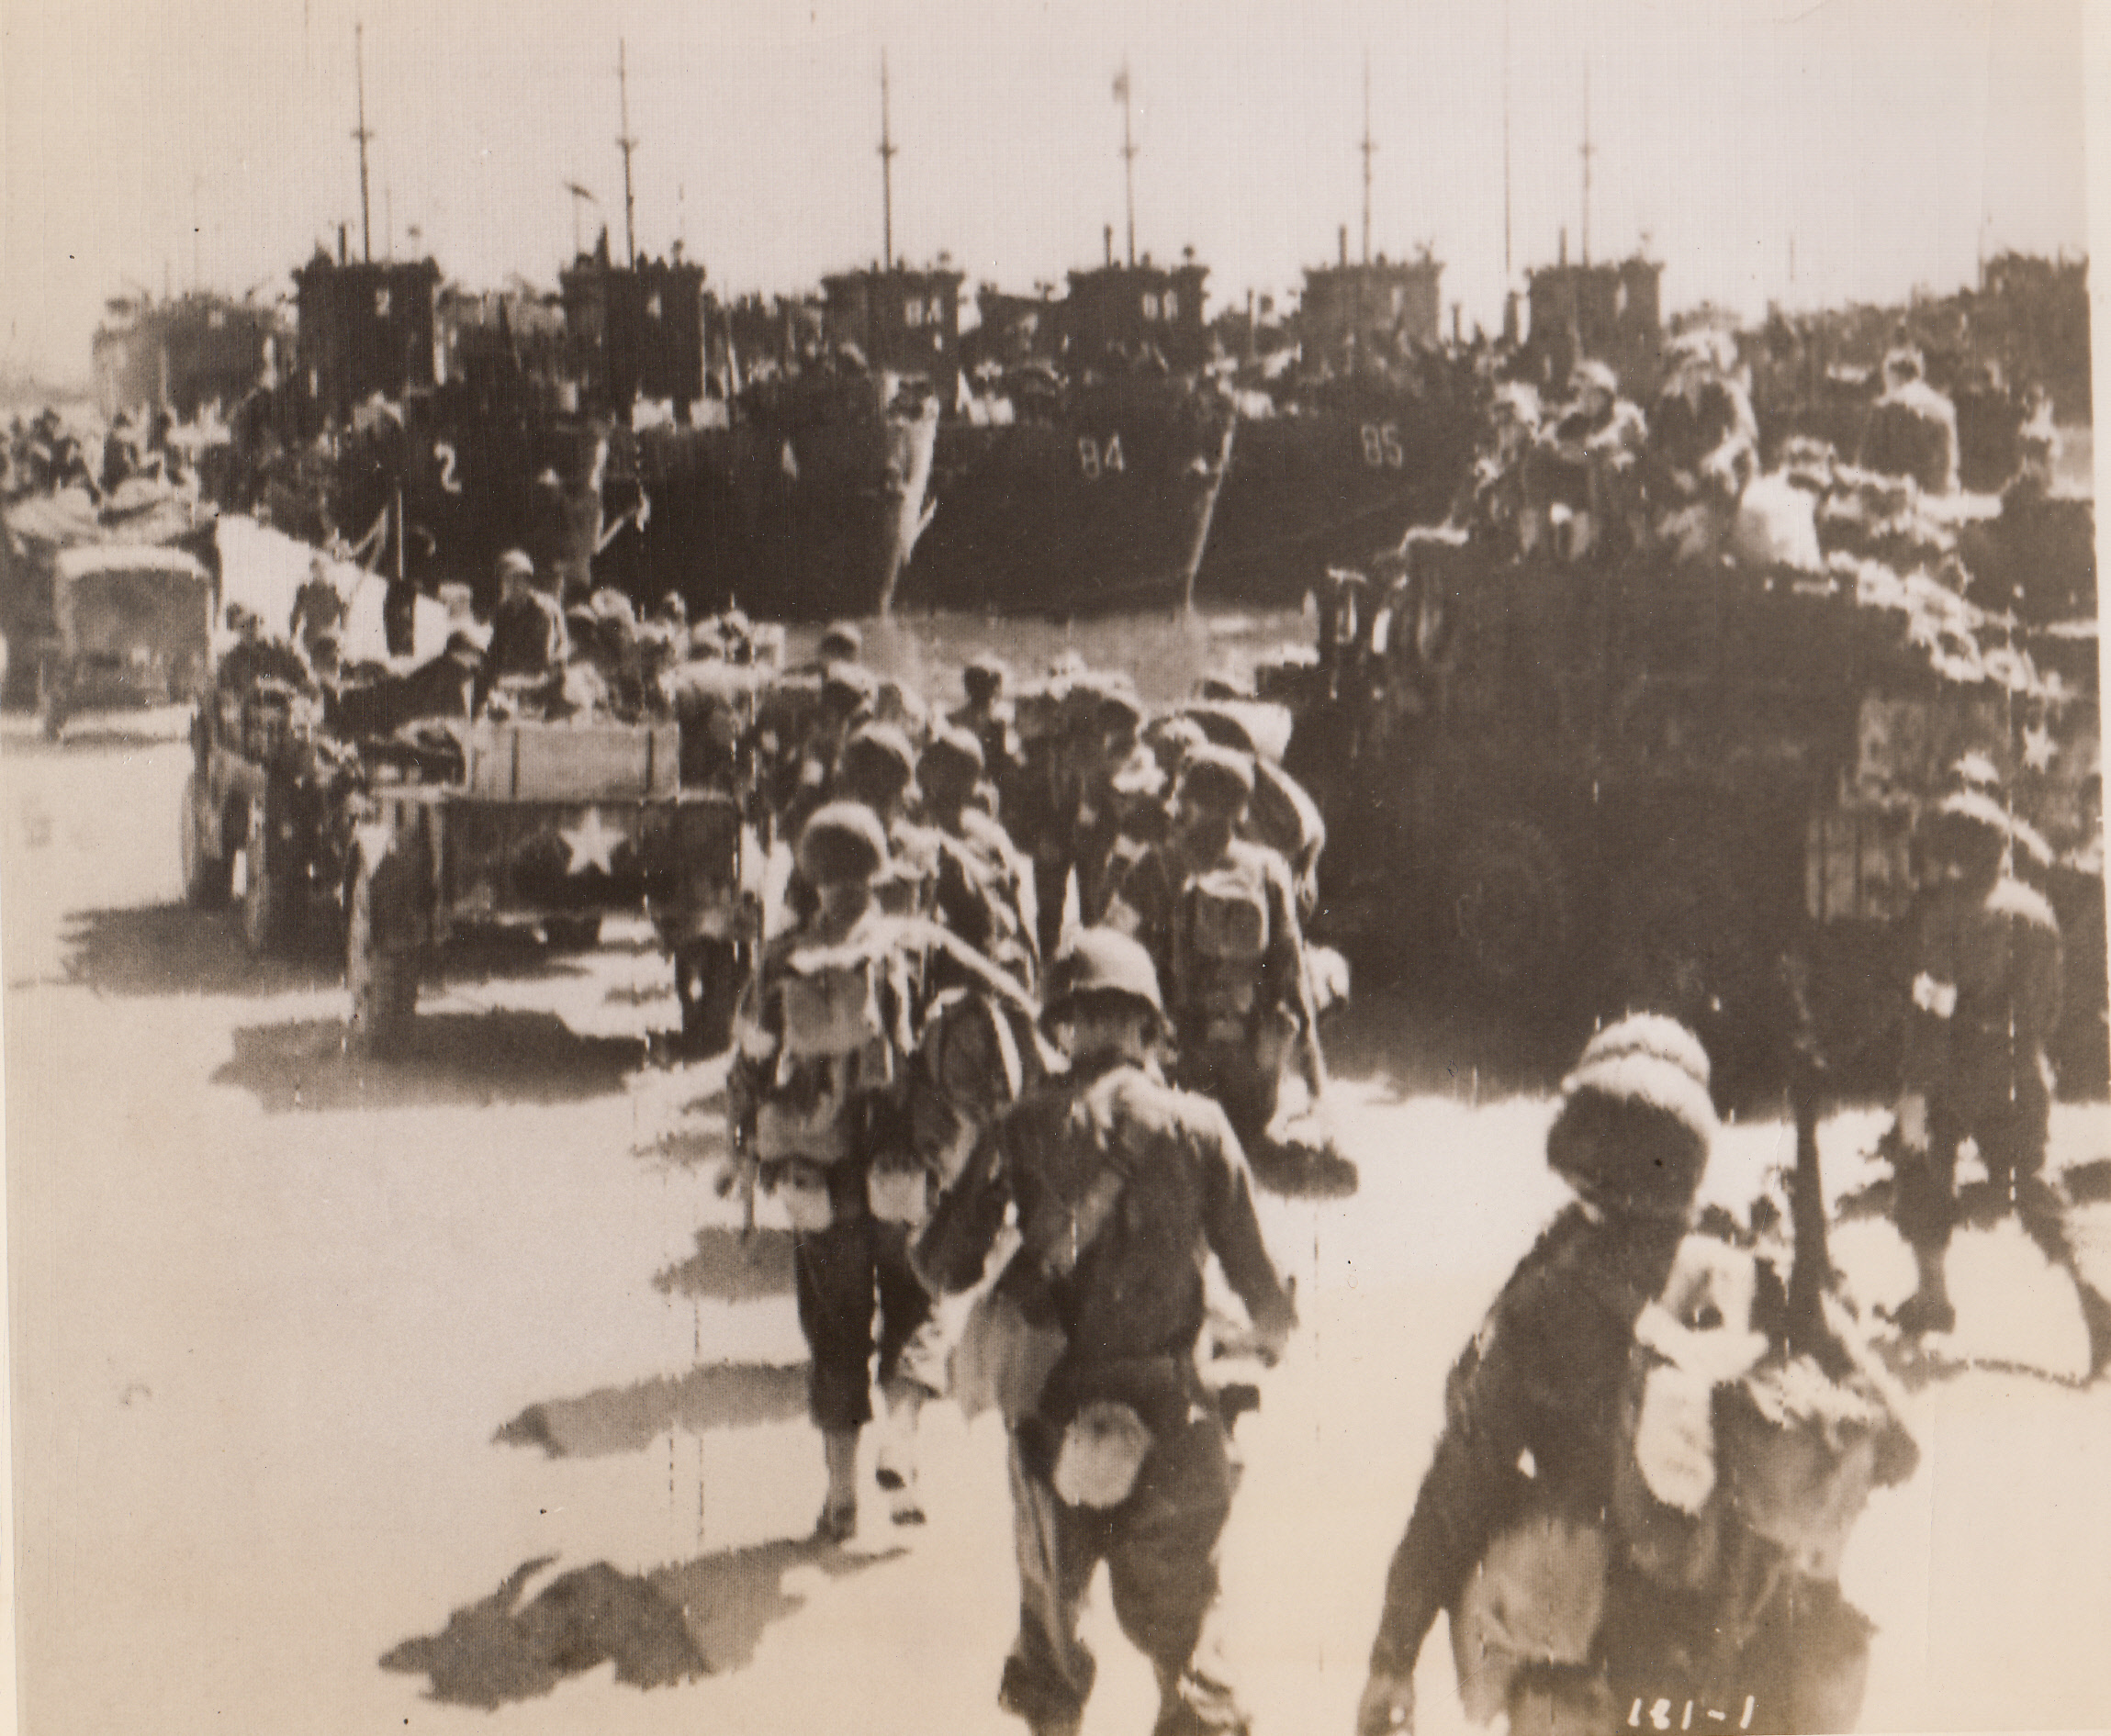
pixel 1082 473
pixel 1359 423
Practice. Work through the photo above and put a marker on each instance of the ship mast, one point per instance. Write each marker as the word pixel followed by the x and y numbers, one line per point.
pixel 1506 265
pixel 887 152
pixel 1367 146
pixel 1128 158
pixel 1587 152
pixel 627 144
pixel 362 135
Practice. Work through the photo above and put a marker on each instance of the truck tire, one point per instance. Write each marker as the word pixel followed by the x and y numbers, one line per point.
pixel 51 701
pixel 1507 904
pixel 208 875
pixel 572 934
pixel 708 975
pixel 268 895
pixel 381 975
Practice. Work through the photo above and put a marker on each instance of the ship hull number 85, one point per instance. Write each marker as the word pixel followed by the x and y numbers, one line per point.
pixel 1382 449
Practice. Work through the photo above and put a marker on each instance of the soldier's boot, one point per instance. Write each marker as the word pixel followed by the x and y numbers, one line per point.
pixel 896 1470
pixel 1192 1703
pixel 839 1520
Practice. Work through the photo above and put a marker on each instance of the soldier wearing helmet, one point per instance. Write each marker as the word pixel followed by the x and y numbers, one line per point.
pixel 529 641
pixel 1122 1187
pixel 1984 1000
pixel 817 1109
pixel 983 887
pixel 1512 1510
pixel 1218 915
pixel 987 716
pixel 1579 475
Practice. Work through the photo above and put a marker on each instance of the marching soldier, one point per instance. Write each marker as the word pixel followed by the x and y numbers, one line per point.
pixel 876 768
pixel 1218 915
pixel 985 889
pixel 1122 1187
pixel 817 1109
pixel 1985 998
pixel 1511 1512
pixel 987 716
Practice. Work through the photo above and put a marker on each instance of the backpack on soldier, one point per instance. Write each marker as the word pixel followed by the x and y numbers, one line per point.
pixel 834 1040
pixel 1224 937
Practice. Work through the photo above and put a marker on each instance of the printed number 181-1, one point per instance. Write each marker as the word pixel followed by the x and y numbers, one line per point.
pixel 1666 1714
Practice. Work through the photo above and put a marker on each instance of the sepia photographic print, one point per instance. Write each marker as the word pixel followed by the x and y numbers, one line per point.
pixel 939 867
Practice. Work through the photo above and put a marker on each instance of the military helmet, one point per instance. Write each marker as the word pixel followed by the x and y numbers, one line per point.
pixel 983 679
pixel 953 759
pixel 515 563
pixel 1632 1132
pixel 841 644
pixel 849 685
pixel 878 759
pixel 1649 1034
pixel 843 841
pixel 1217 779
pixel 1968 816
pixel 1594 376
pixel 1101 962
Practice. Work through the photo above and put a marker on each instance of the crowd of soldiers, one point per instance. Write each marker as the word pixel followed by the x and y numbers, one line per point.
pixel 43 455
pixel 1597 477
pixel 1651 1462
pixel 1021 1035
pixel 1018 1033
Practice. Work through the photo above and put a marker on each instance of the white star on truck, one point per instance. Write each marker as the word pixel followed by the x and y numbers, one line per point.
pixel 592 842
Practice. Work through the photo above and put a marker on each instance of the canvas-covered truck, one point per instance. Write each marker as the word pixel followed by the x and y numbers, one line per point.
pixel 132 627
pixel 1582 786
pixel 543 822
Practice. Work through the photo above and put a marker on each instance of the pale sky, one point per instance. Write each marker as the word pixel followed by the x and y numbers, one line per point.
pixel 1893 140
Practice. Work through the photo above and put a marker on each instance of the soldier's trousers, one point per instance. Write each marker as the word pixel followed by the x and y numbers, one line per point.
pixel 841 1274
pixel 2008 1122
pixel 1245 1077
pixel 1159 1546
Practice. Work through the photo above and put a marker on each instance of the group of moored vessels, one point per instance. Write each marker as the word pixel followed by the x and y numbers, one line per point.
pixel 1104 454
pixel 831 455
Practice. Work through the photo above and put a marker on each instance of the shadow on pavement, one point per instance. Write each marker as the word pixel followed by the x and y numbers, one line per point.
pixel 496 1650
pixel 660 1629
pixel 726 1268
pixel 1410 1046
pixel 697 1135
pixel 167 949
pixel 732 1598
pixel 451 1059
pixel 628 1418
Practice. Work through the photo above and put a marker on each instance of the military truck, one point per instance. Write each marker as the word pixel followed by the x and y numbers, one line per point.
pixel 541 823
pixel 1585 786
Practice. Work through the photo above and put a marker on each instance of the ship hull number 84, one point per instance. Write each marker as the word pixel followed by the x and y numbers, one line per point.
pixel 1097 458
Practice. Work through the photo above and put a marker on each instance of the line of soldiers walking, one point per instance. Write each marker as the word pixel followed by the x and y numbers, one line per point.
pixel 1654 1449
pixel 1032 1077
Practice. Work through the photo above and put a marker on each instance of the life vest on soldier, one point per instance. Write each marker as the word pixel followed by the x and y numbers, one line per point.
pixel 1221 939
